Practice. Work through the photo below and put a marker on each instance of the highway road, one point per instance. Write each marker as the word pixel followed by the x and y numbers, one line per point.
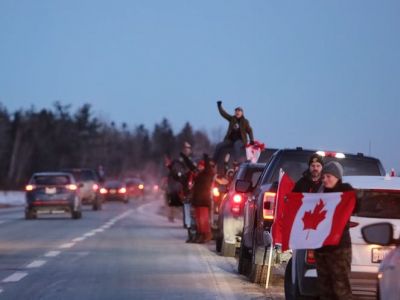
pixel 122 252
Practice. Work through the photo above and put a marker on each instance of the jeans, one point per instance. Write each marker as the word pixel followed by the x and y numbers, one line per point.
pixel 235 149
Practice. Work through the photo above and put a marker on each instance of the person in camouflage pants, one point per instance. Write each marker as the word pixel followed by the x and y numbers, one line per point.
pixel 334 262
pixel 333 270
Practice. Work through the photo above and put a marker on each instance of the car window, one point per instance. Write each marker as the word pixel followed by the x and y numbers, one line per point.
pixel 113 184
pixel 378 204
pixel 296 163
pixel 51 180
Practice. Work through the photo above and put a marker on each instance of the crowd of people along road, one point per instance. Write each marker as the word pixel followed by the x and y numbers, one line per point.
pixel 189 183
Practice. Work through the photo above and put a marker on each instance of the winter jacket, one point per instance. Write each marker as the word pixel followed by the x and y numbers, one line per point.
pixel 345 241
pixel 307 185
pixel 244 124
pixel 201 191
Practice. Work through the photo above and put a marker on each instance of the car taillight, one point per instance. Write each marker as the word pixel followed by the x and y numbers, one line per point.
pixel 215 192
pixel 331 154
pixel 29 187
pixel 103 191
pixel 353 224
pixel 269 204
pixel 156 188
pixel 122 190
pixel 72 187
pixel 95 187
pixel 310 257
pixel 141 186
pixel 237 198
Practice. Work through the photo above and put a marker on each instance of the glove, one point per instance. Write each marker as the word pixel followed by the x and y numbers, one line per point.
pixel 219 102
pixel 252 143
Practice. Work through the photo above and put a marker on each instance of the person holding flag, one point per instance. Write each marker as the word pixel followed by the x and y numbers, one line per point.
pixel 334 262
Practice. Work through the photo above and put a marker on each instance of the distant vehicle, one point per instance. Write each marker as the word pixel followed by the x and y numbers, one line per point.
pixel 89 192
pixel 230 220
pixel 378 198
pixel 114 190
pixel 381 234
pixel 135 187
pixel 51 193
pixel 259 213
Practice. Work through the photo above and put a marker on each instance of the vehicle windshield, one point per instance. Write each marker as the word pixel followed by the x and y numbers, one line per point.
pixel 251 174
pixel 51 180
pixel 113 184
pixel 378 204
pixel 296 163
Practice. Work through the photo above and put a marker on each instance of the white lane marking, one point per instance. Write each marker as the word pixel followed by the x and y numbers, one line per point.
pixel 17 276
pixel 1 290
pixel 79 239
pixel 99 230
pixel 36 264
pixel 52 253
pixel 89 234
pixel 67 246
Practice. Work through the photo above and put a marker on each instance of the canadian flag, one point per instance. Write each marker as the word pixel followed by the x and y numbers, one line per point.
pixel 253 152
pixel 286 185
pixel 310 221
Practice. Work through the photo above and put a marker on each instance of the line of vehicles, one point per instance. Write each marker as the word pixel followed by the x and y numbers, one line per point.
pixel 246 212
pixel 66 191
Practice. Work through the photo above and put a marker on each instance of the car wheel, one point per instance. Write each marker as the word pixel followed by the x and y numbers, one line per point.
pixel 228 249
pixel 258 273
pixel 76 215
pixel 292 289
pixel 244 259
pixel 95 207
pixel 30 215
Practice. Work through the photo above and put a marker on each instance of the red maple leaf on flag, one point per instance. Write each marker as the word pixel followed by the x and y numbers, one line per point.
pixel 311 220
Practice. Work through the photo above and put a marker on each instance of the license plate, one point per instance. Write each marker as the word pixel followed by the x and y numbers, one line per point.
pixel 113 191
pixel 50 191
pixel 379 254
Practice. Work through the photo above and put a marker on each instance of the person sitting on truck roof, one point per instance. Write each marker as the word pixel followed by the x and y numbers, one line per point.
pixel 236 137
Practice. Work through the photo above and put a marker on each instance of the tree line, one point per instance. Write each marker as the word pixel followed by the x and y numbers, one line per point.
pixel 52 139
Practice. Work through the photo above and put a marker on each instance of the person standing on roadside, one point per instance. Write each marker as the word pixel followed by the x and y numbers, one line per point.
pixel 201 200
pixel 236 137
pixel 311 181
pixel 334 262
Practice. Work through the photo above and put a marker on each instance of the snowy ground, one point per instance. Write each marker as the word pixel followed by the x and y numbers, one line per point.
pixel 12 198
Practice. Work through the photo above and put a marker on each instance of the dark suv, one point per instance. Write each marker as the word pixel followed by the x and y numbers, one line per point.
pixel 51 193
pixel 258 211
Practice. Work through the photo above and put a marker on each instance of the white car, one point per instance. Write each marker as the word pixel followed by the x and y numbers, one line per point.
pixel 378 200
pixel 389 270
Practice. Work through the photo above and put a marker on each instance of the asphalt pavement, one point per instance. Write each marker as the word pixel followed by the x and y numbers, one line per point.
pixel 122 252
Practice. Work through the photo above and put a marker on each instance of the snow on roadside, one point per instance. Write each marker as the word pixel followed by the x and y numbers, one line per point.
pixel 12 198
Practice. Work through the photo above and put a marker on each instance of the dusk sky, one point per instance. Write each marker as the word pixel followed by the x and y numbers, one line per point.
pixel 318 74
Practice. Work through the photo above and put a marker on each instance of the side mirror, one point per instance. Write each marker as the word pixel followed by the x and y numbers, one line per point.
pixel 379 234
pixel 243 186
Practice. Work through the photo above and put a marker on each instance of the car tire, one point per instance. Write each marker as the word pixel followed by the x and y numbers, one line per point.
pixel 244 259
pixel 95 207
pixel 30 215
pixel 258 273
pixel 228 249
pixel 292 290
pixel 76 215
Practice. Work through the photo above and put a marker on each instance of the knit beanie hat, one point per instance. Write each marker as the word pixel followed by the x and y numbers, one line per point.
pixel 334 168
pixel 315 158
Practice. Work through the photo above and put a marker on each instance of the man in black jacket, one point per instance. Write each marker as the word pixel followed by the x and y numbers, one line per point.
pixel 235 138
pixel 311 180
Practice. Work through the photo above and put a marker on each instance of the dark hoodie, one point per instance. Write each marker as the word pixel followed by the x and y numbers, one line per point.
pixel 307 185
